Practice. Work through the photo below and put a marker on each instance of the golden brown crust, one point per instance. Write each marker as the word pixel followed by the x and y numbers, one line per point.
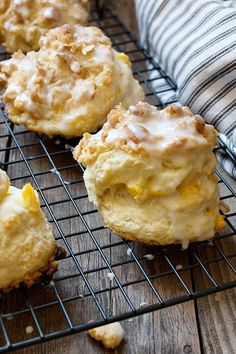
pixel 130 237
pixel 44 274
pixel 175 110
pixel 31 278
pixel 199 123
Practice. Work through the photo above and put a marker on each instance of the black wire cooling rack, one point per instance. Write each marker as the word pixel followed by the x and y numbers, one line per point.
pixel 82 294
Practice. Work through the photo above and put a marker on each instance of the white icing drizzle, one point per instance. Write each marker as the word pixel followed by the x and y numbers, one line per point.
pixel 88 49
pixel 83 91
pixel 86 35
pixel 114 135
pixel 18 2
pixel 185 244
pixel 49 12
pixel 8 26
pixel 138 130
pixel 24 98
pixel 75 66
pixel 132 145
pixel 102 54
pixel 24 11
pixel 155 131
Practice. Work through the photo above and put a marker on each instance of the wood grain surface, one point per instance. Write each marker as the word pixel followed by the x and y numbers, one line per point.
pixel 206 325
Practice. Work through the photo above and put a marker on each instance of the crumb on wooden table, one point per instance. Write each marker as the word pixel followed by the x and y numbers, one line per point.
pixel 110 335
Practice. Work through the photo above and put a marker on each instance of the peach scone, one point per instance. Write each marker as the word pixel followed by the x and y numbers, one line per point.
pixel 27 244
pixel 22 22
pixel 70 85
pixel 151 174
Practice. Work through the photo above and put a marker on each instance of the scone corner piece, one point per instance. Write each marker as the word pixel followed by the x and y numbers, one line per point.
pixel 111 335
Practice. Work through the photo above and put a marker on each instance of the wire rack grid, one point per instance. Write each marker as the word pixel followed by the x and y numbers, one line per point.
pixel 81 296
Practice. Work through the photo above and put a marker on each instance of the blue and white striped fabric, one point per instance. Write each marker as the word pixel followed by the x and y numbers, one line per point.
pixel 194 41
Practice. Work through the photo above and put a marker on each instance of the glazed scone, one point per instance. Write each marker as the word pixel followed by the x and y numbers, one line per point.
pixel 70 85
pixel 27 245
pixel 151 174
pixel 22 22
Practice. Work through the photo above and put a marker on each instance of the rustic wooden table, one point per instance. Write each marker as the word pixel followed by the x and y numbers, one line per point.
pixel 206 325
